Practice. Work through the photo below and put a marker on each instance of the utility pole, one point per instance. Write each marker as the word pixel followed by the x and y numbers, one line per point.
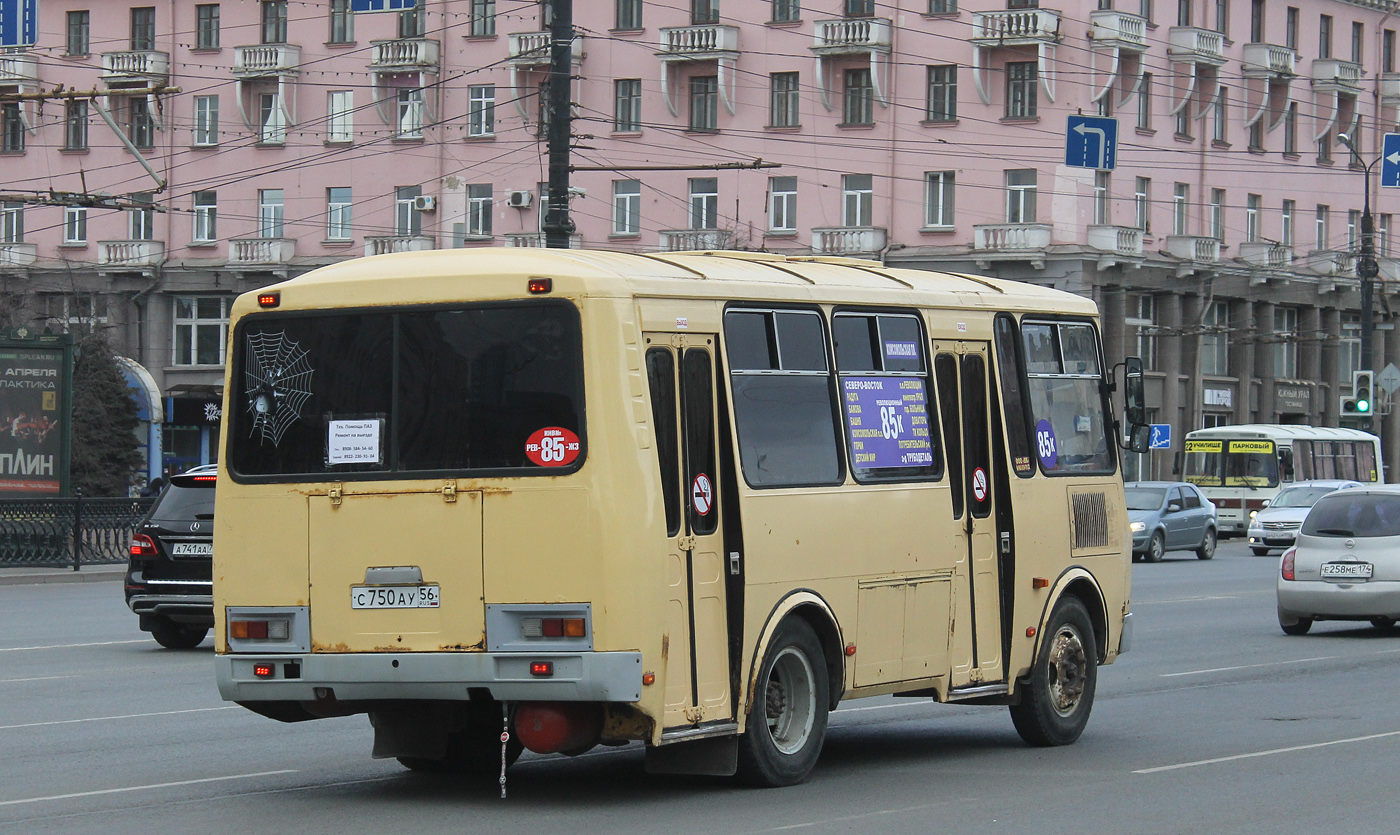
pixel 558 226
pixel 1366 266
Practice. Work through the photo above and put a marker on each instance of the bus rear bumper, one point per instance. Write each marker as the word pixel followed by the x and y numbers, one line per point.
pixel 448 676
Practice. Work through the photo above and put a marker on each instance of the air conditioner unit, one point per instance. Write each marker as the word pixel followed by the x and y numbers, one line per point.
pixel 425 203
pixel 519 199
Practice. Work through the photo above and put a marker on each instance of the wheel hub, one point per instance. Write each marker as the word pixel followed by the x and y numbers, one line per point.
pixel 1068 671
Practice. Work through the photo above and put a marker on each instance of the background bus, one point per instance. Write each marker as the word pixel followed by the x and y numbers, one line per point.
pixel 1242 467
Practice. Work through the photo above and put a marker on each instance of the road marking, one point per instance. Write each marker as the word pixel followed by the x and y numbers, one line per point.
pixel 1266 753
pixel 146 788
pixel 67 646
pixel 107 718
pixel 1192 599
pixel 1249 666
pixel 36 678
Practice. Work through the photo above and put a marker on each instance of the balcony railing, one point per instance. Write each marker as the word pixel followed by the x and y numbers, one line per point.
pixel 1266 254
pixel 848 240
pixel 682 42
pixel 130 253
pixel 141 65
pixel 680 240
pixel 1264 60
pixel 265 59
pixel 18 255
pixel 537 240
pixel 852 36
pixel 533 48
pixel 18 69
pixel 1120 29
pixel 403 54
pixel 1332 74
pixel 261 250
pixel 1333 262
pixel 1188 44
pixel 1124 240
pixel 1004 237
pixel 1193 248
pixel 1015 27
pixel 1390 89
pixel 385 244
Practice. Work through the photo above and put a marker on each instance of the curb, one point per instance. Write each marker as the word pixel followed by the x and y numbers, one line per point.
pixel 43 576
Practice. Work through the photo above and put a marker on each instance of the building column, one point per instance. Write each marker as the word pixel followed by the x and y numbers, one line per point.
pixel 1310 359
pixel 1242 351
pixel 1193 394
pixel 1111 301
pixel 1263 318
pixel 1330 324
pixel 1169 363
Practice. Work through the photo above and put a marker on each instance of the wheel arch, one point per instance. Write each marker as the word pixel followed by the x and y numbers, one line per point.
pixel 1078 582
pixel 812 608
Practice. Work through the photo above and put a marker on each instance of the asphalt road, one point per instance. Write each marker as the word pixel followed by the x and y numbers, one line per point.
pixel 1216 723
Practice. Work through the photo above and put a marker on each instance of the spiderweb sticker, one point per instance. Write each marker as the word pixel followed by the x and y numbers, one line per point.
pixel 277 379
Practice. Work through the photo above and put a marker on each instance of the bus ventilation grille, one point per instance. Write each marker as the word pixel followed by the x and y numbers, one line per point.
pixel 1090 520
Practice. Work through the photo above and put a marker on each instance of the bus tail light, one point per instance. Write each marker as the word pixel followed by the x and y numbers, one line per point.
pixel 541 668
pixel 269 299
pixel 537 286
pixel 263 670
pixel 142 546
pixel 1288 559
pixel 553 628
pixel 259 630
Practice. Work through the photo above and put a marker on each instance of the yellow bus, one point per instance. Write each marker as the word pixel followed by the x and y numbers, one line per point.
pixel 694 500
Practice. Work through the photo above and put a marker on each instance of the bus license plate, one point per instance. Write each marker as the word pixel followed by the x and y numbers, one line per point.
pixel 394 597
pixel 192 549
pixel 1347 570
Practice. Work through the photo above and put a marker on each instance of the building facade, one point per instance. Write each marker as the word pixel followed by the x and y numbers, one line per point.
pixel 184 152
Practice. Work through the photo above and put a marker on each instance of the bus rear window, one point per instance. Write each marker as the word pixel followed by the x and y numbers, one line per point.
pixel 437 390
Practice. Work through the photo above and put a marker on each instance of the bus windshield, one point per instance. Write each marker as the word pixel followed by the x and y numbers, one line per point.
pixel 363 394
pixel 1233 463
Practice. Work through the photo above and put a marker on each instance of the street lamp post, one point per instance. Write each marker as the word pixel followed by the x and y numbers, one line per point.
pixel 1366 267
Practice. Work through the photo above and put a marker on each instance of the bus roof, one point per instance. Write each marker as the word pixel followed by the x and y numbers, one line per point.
pixel 1282 432
pixel 721 275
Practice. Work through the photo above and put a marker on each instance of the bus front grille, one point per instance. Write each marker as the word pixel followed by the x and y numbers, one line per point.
pixel 1090 515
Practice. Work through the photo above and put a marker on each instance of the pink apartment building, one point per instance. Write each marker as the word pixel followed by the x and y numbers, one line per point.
pixel 925 133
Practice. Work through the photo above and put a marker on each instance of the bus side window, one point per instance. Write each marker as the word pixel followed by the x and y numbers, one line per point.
pixel 1009 373
pixel 698 399
pixel 1303 460
pixel 1285 460
pixel 945 372
pixel 661 374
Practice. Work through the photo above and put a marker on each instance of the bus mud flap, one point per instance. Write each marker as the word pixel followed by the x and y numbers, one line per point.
pixel 715 757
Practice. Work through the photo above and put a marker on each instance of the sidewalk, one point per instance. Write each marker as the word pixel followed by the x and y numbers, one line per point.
pixel 27 574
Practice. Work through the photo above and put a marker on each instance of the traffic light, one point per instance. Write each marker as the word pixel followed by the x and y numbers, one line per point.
pixel 1362 399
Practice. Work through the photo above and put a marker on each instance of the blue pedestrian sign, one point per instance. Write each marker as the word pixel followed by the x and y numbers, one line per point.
pixel 381 5
pixel 1390 160
pixel 1092 142
pixel 1161 437
pixel 19 22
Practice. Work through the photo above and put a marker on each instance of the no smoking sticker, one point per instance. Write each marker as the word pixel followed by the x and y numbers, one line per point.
pixel 979 484
pixel 702 494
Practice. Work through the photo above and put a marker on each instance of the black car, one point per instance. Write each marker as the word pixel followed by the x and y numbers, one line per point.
pixel 170 577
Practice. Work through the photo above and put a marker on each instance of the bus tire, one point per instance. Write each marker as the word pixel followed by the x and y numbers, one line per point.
pixel 788 724
pixel 1057 698
pixel 173 635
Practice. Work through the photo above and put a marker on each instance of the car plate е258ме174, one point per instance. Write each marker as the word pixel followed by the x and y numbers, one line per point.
pixel 394 597
pixel 1346 571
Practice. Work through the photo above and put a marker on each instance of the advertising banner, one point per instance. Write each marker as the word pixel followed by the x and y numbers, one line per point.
pixel 36 375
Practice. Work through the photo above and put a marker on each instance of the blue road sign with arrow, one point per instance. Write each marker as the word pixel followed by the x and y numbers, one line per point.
pixel 19 22
pixel 381 5
pixel 1092 142
pixel 1390 160
pixel 1161 437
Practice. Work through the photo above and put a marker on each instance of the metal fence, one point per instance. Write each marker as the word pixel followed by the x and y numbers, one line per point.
pixel 68 532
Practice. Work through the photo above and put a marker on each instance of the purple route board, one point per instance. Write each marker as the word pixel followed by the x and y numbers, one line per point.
pixel 888 419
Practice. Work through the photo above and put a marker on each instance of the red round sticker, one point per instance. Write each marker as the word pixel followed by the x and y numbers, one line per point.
pixel 702 494
pixel 552 446
pixel 979 484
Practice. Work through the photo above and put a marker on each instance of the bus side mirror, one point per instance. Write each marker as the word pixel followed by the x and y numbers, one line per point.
pixel 1140 438
pixel 1135 406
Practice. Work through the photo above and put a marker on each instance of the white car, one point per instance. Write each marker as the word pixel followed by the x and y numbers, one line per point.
pixel 1276 526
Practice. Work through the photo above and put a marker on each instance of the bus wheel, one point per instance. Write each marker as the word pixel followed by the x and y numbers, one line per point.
pixel 787 726
pixel 173 635
pixel 1056 700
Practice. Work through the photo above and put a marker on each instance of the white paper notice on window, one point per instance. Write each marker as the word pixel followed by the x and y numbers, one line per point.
pixel 354 442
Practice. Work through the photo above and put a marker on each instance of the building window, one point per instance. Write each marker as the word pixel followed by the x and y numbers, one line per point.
pixel 1183 12
pixel 1286 233
pixel 629 15
pixel 143 28
pixel 340 116
pixel 783 100
pixel 1021 79
pixel 413 23
pixel 338 204
pixel 1217 213
pixel 410 113
pixel 206 120
pixel 1144 102
pixel 206 26
pixel 11 222
pixel 857 200
pixel 782 204
pixel 1215 339
pixel 627 105
pixel 1020 195
pixel 1388 50
pixel 1256 135
pixel 1381 236
pixel 627 207
pixel 860 8
pixel 206 216
pixel 1145 10
pixel 1354 231
pixel 272 120
pixel 942 93
pixel 858 102
pixel 1324 36
pixel 75 125
pixel 1145 324
pixel 1323 221
pixel 1219 112
pixel 407 221
pixel 938 199
pixel 1256 21
pixel 704 102
pixel 274 21
pixel 1286 346
pixel 342 22
pixel 141 219
pixel 704 203
pixel 1290 130
pixel 75 224
pixel 1222 17
pixel 483 18
pixel 1183 122
pixel 1324 146
pixel 1290 34
pixel 481 110
pixel 270 213
pixel 1252 205
pixel 78 33
pixel 942 6
pixel 1181 202
pixel 1101 197
pixel 11 128
pixel 1358 35
pixel 201 329
pixel 1142 204
pixel 479 205
pixel 704 12
pixel 787 11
